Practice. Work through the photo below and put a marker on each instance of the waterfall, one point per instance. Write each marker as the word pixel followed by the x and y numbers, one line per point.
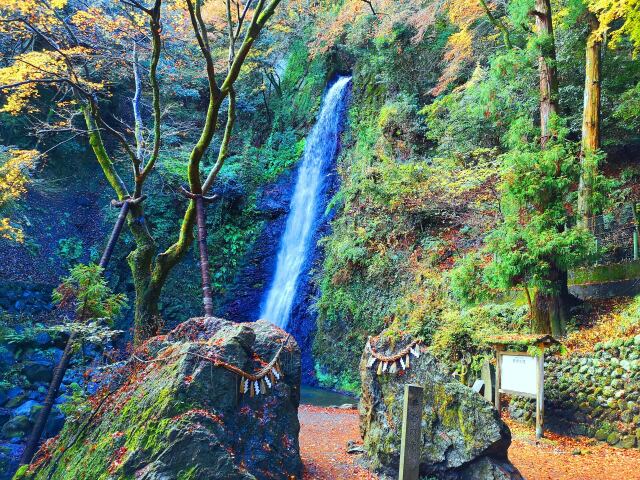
pixel 320 149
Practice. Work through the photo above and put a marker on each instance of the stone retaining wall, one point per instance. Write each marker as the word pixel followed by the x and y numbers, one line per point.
pixel 595 394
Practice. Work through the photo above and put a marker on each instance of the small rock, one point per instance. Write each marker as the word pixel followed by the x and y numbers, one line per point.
pixel 613 438
pixel 43 339
pixel 5 415
pixel 627 442
pixel 15 396
pixel 354 448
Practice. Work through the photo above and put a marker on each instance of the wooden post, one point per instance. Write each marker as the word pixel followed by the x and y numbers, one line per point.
pixel 488 375
pixel 496 402
pixel 540 395
pixel 635 243
pixel 411 441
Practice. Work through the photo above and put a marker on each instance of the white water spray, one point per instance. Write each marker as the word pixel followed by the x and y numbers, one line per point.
pixel 320 149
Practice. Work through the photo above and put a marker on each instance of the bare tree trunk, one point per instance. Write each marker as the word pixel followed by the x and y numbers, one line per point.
pixel 41 422
pixel 590 122
pixel 207 296
pixel 546 67
pixel 58 374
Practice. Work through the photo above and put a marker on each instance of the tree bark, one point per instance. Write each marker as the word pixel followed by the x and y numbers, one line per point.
pixel 41 422
pixel 590 122
pixel 58 373
pixel 551 306
pixel 546 67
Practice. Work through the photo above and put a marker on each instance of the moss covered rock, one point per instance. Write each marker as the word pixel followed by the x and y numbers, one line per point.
pixel 463 436
pixel 177 414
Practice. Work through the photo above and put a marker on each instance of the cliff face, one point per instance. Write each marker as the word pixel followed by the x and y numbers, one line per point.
pixel 178 413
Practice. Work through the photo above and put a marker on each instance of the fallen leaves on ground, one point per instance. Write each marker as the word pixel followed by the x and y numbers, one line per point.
pixel 557 457
pixel 324 433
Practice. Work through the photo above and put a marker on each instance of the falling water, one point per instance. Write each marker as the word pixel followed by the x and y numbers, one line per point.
pixel 320 149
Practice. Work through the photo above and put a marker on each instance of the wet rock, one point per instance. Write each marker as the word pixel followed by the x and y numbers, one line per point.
pixel 9 457
pixel 463 436
pixel 26 408
pixel 38 370
pixel 5 416
pixel 17 427
pixel 182 416
pixel 7 359
pixel 15 396
pixel 55 422
pixel 43 339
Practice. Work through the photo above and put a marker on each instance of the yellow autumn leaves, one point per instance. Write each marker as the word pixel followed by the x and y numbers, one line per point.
pixel 29 7
pixel 32 69
pixel 14 175
pixel 609 11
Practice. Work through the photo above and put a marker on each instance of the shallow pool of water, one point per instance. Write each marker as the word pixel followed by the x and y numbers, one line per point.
pixel 320 397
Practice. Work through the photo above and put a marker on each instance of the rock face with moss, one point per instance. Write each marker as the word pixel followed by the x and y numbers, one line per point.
pixel 462 435
pixel 178 415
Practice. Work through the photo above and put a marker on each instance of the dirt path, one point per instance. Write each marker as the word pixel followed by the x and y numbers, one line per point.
pixel 325 432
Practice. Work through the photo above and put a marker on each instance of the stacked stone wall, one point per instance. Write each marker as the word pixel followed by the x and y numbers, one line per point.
pixel 596 394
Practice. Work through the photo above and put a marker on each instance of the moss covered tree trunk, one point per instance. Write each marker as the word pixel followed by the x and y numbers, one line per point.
pixel 551 306
pixel 590 122
pixel 149 268
pixel 546 67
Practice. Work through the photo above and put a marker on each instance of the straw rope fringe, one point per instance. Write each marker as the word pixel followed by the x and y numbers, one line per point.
pixel 391 363
pixel 253 383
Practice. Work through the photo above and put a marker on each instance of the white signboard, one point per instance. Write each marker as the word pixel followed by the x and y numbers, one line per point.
pixel 518 374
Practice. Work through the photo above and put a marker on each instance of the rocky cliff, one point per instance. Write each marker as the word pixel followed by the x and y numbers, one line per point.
pixel 180 410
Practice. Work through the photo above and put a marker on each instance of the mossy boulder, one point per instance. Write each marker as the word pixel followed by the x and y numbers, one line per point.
pixel 462 434
pixel 17 427
pixel 176 414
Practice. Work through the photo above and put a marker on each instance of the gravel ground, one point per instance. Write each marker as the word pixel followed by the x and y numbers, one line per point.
pixel 324 433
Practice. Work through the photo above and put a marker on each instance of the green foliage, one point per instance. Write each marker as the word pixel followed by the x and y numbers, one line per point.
pixel 467 280
pixel 537 233
pixel 20 331
pixel 628 109
pixel 461 341
pixel 87 292
pixel 481 113
pixel 76 406
pixel 70 250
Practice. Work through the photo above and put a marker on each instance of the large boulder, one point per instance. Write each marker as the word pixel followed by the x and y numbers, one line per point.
pixel 178 414
pixel 462 434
